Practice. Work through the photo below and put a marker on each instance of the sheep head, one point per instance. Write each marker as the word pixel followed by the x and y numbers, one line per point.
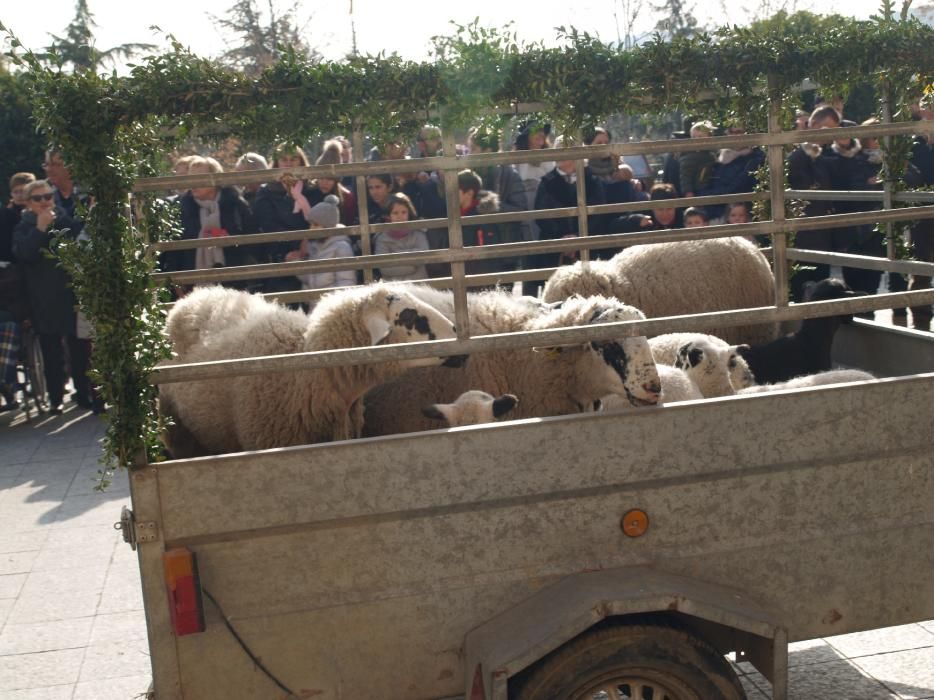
pixel 713 364
pixel 471 408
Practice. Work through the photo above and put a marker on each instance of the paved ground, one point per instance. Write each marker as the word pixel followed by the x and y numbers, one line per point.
pixel 71 620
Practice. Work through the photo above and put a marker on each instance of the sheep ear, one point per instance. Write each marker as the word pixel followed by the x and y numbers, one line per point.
pixel 438 411
pixel 378 326
pixel 504 404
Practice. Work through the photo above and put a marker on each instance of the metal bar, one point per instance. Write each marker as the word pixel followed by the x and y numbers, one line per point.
pixel 545 338
pixel 431 224
pixel 583 229
pixel 453 162
pixel 865 262
pixel 550 246
pixel 776 156
pixel 455 237
pixel 860 196
pixel 363 205
pixel 887 185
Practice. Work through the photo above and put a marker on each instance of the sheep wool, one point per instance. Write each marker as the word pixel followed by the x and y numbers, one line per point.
pixel 472 408
pixel 684 277
pixel 834 376
pixel 197 317
pixel 676 386
pixel 308 406
pixel 715 366
pixel 554 381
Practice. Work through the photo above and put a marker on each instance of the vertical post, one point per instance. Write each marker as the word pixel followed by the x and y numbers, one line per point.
pixel 887 185
pixel 455 230
pixel 363 208
pixel 582 226
pixel 777 196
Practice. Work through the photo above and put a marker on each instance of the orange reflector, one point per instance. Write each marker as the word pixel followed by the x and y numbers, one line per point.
pixel 184 591
pixel 634 523
pixel 476 689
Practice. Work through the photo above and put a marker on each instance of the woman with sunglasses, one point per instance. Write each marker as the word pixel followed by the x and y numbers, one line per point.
pixel 48 287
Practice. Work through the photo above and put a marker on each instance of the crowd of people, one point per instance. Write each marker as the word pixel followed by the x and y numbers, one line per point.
pixel 35 292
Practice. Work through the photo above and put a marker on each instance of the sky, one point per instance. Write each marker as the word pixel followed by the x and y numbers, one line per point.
pixel 381 25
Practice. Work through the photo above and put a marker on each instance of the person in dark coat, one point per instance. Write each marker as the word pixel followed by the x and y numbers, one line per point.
pixel 661 218
pixel 51 297
pixel 733 173
pixel 504 180
pixel 474 201
pixel 12 213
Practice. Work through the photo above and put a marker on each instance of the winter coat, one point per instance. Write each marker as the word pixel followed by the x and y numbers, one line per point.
pixel 733 173
pixel 555 192
pixel 9 218
pixel 695 168
pixel 414 240
pixel 273 211
pixel 921 163
pixel 48 285
pixel 505 181
pixel 236 219
pixel 337 246
pixel 14 299
pixel 70 205
pixel 426 198
pixel 485 234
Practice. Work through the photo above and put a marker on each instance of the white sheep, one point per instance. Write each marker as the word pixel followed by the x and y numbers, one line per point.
pixel 280 409
pixel 676 386
pixel 684 277
pixel 472 408
pixel 205 311
pixel 554 381
pixel 715 366
pixel 834 376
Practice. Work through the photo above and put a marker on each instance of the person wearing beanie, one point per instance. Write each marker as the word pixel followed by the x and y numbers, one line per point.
pixel 332 154
pixel 325 214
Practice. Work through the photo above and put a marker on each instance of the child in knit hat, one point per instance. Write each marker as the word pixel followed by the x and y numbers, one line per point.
pixel 325 214
pixel 406 240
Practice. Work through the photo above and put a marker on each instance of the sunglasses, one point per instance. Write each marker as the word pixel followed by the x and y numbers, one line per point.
pixel 42 197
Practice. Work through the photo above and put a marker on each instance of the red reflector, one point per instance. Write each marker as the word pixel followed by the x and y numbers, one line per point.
pixel 476 690
pixel 184 591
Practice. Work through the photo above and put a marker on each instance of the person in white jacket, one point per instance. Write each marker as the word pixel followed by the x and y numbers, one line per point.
pixel 405 240
pixel 325 214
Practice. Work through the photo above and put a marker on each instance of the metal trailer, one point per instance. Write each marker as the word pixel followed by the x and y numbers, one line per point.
pixel 597 555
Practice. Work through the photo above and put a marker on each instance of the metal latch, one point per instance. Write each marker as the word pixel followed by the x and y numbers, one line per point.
pixel 134 532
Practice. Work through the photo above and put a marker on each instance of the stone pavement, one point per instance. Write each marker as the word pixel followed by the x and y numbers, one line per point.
pixel 71 618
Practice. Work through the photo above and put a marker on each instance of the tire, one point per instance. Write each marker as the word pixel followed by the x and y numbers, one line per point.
pixel 633 662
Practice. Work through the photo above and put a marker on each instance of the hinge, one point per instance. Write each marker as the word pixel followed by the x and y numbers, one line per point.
pixel 134 532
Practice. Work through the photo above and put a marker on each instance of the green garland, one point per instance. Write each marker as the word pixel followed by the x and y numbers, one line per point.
pixel 112 130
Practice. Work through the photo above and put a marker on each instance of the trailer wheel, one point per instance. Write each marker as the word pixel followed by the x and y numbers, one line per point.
pixel 633 662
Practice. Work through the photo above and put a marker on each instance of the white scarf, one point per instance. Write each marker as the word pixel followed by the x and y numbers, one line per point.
pixel 210 212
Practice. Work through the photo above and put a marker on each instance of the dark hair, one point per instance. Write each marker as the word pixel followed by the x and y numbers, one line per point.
pixel 697 211
pixel 591 134
pixel 468 180
pixel 387 179
pixel 526 129
pixel 484 136
pixel 663 190
pixel 289 149
pixel 744 205
pixel 400 198
pixel 825 112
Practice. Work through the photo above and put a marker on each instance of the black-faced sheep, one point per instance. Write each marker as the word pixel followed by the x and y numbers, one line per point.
pixel 669 279
pixel 714 365
pixel 834 376
pixel 281 409
pixel 805 351
pixel 555 381
pixel 472 408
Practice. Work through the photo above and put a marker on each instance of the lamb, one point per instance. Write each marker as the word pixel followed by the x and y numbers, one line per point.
pixel 835 376
pixel 808 349
pixel 259 412
pixel 714 365
pixel 554 381
pixel 471 408
pixel 206 311
pixel 669 279
pixel 676 386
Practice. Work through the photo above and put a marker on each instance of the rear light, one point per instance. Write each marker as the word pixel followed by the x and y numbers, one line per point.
pixel 184 591
pixel 477 691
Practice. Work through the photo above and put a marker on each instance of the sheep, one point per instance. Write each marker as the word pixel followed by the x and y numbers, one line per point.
pixel 805 351
pixel 204 312
pixel 714 365
pixel 668 279
pixel 835 376
pixel 471 408
pixel 553 381
pixel 676 386
pixel 276 410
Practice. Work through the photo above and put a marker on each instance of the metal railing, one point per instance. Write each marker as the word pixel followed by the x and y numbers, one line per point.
pixel 456 254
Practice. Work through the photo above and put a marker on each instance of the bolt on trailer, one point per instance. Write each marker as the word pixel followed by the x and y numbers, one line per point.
pixel 600 555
